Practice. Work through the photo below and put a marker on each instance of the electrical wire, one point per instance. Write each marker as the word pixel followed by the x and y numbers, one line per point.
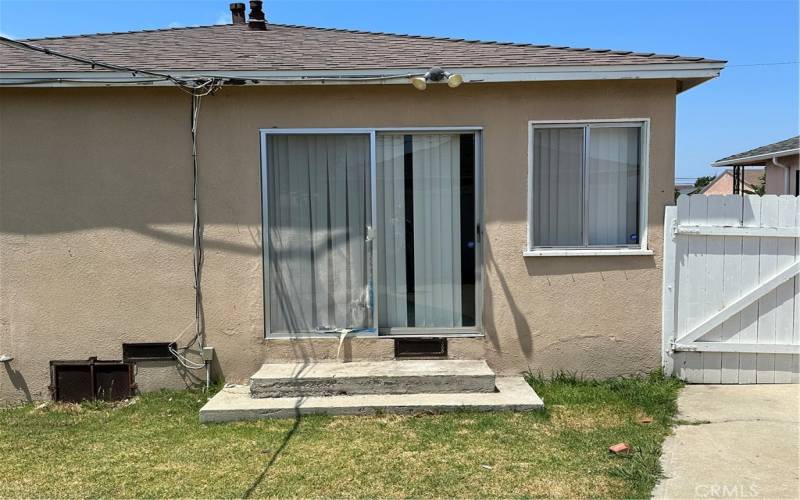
pixel 197 88
pixel 84 60
pixel 46 81
pixel 202 85
pixel 189 84
pixel 207 88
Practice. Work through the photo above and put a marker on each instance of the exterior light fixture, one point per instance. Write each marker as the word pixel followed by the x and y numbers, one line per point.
pixel 454 80
pixel 419 82
pixel 437 74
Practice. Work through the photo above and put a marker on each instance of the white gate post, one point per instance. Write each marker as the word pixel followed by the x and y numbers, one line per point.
pixel 669 292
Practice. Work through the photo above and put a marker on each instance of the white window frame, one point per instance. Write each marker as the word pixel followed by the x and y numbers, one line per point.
pixel 531 250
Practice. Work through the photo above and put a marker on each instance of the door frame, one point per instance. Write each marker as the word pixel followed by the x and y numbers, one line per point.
pixel 374 330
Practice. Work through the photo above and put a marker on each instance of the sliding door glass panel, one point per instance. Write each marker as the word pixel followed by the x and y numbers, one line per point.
pixel 318 212
pixel 558 187
pixel 613 185
pixel 427 230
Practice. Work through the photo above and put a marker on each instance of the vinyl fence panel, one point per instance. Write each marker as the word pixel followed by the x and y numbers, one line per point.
pixel 732 290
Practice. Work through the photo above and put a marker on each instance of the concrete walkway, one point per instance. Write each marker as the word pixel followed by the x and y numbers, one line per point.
pixel 739 441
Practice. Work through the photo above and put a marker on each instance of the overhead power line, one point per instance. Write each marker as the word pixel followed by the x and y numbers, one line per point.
pixel 762 64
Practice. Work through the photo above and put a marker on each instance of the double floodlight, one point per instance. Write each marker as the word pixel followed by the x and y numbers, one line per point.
pixel 437 74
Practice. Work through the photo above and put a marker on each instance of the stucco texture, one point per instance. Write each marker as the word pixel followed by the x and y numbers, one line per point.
pixel 776 176
pixel 95 226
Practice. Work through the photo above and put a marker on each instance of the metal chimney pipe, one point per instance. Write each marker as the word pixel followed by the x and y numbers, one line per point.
pixel 237 13
pixel 257 20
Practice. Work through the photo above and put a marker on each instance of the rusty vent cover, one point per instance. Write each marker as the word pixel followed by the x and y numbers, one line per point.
pixel 147 351
pixel 420 348
pixel 76 381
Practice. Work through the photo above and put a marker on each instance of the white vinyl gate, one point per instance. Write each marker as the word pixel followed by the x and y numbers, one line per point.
pixel 731 299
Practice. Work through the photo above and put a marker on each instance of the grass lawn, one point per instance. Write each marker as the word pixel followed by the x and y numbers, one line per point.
pixel 154 446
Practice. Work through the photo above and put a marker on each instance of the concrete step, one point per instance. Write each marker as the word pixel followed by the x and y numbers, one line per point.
pixel 234 403
pixel 371 377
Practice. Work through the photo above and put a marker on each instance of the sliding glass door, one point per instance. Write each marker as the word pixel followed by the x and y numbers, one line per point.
pixel 371 231
pixel 318 208
pixel 427 231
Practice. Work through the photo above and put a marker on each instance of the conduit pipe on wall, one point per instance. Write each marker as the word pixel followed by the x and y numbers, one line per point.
pixel 785 174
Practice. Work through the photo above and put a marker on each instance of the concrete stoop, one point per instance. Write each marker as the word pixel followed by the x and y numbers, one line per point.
pixel 366 388
pixel 371 377
pixel 235 403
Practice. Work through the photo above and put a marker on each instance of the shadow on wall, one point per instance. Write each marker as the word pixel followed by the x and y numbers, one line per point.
pixel 521 326
pixel 542 267
pixel 18 381
pixel 560 266
pixel 93 178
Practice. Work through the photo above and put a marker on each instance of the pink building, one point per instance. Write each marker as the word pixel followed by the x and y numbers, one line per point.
pixel 780 161
pixel 750 181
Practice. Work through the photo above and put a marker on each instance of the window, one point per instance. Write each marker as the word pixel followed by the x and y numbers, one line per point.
pixel 586 188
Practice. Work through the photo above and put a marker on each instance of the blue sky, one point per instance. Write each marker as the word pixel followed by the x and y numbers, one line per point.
pixel 754 102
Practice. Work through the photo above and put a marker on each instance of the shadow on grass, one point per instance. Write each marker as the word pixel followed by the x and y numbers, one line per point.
pixel 284 444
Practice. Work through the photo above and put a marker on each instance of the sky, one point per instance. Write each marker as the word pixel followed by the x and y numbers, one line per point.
pixel 754 102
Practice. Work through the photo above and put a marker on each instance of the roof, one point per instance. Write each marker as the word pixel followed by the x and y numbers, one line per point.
pixel 753 178
pixel 299 48
pixel 786 147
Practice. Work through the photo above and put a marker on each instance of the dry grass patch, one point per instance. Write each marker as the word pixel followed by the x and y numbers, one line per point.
pixel 156 447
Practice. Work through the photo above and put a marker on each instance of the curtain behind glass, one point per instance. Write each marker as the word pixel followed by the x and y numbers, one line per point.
pixel 393 296
pixel 419 231
pixel 437 231
pixel 613 186
pixel 318 210
pixel 557 187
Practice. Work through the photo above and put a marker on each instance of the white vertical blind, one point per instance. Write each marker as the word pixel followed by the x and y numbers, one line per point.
pixel 393 291
pixel 437 230
pixel 318 212
pixel 558 187
pixel 613 185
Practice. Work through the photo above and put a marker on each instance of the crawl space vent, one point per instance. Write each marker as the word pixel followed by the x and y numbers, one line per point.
pixel 147 351
pixel 76 381
pixel 420 348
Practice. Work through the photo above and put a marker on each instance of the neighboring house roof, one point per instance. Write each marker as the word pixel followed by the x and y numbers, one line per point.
pixel 776 149
pixel 753 179
pixel 685 188
pixel 289 48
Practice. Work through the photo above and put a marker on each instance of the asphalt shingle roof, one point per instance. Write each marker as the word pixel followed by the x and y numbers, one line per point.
pixel 776 147
pixel 300 48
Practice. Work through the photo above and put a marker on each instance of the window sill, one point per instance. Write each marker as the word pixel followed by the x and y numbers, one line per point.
pixel 587 252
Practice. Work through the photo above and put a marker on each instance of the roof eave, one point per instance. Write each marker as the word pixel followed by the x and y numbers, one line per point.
pixel 693 73
pixel 748 160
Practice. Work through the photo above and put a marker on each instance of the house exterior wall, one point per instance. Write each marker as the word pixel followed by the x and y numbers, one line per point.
pixel 95 226
pixel 775 175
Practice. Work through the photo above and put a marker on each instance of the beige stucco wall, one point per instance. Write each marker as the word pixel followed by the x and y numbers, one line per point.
pixel 95 225
pixel 775 175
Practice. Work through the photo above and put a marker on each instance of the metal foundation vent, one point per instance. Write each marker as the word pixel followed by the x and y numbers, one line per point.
pixel 420 348
pixel 76 381
pixel 147 351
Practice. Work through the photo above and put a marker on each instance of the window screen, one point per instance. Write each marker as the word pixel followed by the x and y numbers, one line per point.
pixel 585 185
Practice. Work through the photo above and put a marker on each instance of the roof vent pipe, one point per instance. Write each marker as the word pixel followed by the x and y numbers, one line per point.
pixel 257 21
pixel 237 13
